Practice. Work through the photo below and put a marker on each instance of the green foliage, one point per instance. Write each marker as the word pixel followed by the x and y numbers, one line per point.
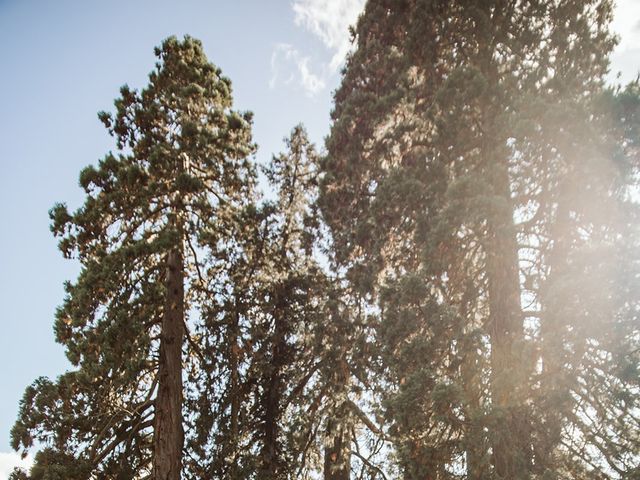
pixel 267 384
pixel 477 184
pixel 468 310
pixel 181 169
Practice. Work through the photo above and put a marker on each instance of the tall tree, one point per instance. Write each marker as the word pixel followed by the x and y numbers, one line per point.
pixel 293 300
pixel 274 338
pixel 457 127
pixel 584 275
pixel 182 165
pixel 261 329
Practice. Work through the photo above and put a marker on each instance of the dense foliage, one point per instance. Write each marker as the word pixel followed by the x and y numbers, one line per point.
pixel 486 181
pixel 450 292
pixel 179 177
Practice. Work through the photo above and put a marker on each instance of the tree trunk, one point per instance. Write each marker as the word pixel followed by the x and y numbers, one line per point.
pixel 509 433
pixel 337 458
pixel 506 334
pixel 337 464
pixel 168 435
pixel 271 461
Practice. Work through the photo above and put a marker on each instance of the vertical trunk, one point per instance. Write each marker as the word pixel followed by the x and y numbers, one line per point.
pixel 506 331
pixel 271 462
pixel 336 455
pixel 234 387
pixel 168 434
pixel 337 458
pixel 270 450
pixel 509 433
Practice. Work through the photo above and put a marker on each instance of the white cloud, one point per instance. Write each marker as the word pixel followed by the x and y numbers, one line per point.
pixel 10 460
pixel 310 82
pixel 329 20
pixel 626 23
pixel 289 65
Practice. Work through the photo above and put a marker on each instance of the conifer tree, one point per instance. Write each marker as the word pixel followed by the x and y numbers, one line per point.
pixel 181 168
pixel 293 300
pixel 585 274
pixel 260 334
pixel 466 135
pixel 273 338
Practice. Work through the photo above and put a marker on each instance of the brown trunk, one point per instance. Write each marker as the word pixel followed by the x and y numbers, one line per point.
pixel 168 433
pixel 337 458
pixel 336 455
pixel 271 462
pixel 509 434
pixel 270 449
pixel 506 334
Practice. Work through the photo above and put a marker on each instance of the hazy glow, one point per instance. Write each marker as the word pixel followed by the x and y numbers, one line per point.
pixel 8 461
pixel 626 23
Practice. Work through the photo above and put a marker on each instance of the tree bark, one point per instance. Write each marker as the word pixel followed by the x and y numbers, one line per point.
pixel 337 458
pixel 509 433
pixel 336 455
pixel 506 335
pixel 271 461
pixel 168 435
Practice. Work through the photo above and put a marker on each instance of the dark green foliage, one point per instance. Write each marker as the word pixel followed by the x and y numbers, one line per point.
pixel 471 311
pixel 181 169
pixel 474 162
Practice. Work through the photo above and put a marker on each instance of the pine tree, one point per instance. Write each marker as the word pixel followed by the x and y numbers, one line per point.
pixel 293 300
pixel 274 338
pixel 181 169
pixel 466 163
pixel 260 335
pixel 586 272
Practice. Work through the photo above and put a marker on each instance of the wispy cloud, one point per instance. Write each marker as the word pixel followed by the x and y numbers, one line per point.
pixel 328 20
pixel 10 460
pixel 626 23
pixel 289 66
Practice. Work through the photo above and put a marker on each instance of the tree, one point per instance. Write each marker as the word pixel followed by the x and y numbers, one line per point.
pixel 182 168
pixel 272 337
pixel 466 135
pixel 288 354
pixel 260 334
pixel 587 284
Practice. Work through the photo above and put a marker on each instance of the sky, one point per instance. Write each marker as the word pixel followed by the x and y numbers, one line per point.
pixel 61 62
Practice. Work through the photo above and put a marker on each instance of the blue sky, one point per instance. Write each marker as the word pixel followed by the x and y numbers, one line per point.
pixel 62 61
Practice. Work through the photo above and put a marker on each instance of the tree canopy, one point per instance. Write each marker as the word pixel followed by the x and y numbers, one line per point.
pixel 449 291
pixel 479 185
pixel 180 175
